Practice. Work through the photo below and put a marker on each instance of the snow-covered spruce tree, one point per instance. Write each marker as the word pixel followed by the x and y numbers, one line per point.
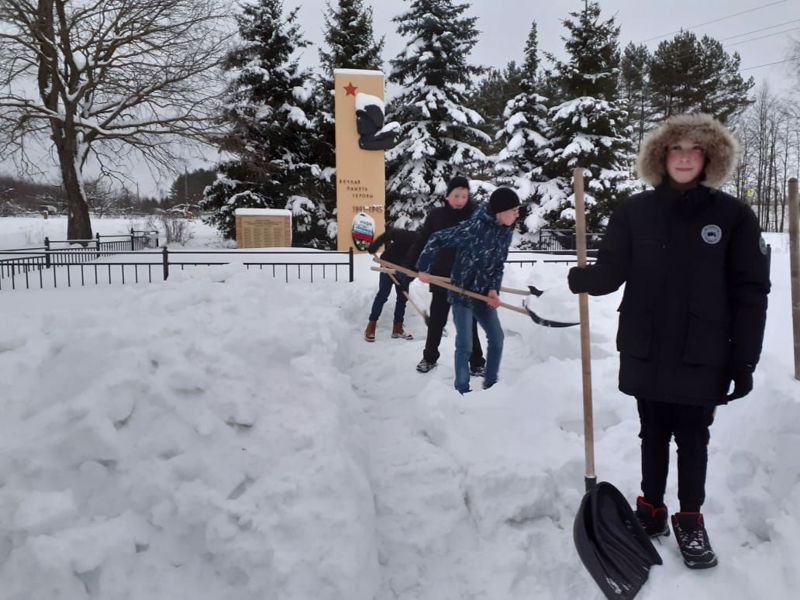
pixel 439 132
pixel 350 39
pixel 270 103
pixel 588 125
pixel 350 44
pixel 525 147
pixel 489 97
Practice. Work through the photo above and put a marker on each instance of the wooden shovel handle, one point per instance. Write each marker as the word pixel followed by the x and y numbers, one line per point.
pixel 435 280
pixel 421 312
pixel 583 306
pixel 507 290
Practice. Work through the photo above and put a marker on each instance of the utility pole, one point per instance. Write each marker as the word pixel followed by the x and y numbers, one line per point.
pixel 794 267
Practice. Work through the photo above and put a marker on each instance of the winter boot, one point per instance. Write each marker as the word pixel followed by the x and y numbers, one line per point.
pixel 369 332
pixel 653 518
pixel 478 371
pixel 690 531
pixel 397 332
pixel 424 366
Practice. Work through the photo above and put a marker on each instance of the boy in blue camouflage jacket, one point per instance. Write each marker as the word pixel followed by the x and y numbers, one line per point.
pixel 481 245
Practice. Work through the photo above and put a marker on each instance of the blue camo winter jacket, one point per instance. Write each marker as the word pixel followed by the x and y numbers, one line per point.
pixel 481 245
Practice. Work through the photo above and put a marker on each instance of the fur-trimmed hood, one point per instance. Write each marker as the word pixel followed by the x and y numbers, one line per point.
pixel 720 147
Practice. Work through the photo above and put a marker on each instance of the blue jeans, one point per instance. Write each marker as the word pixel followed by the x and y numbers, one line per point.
pixel 385 285
pixel 488 320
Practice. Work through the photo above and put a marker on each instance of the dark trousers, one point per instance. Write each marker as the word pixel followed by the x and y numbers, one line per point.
pixel 437 319
pixel 385 286
pixel 689 424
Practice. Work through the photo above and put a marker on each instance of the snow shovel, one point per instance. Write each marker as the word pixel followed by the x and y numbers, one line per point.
pixel 610 541
pixel 449 286
pixel 390 273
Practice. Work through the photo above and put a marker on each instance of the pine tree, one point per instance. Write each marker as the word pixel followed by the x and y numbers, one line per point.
pixel 188 187
pixel 439 135
pixel 588 125
pixel 635 84
pixel 270 103
pixel 350 44
pixel 525 147
pixel 691 75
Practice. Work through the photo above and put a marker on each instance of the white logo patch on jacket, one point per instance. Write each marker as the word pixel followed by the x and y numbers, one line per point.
pixel 711 234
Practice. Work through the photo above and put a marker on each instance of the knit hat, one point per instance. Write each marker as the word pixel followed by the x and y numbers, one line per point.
pixel 456 182
pixel 502 198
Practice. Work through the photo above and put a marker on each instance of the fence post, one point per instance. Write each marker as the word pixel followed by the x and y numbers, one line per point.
pixel 133 246
pixel 351 264
pixel 794 268
pixel 165 262
pixel 47 252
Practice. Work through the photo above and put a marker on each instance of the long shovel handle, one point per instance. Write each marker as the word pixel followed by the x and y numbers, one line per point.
pixel 583 308
pixel 449 286
pixel 505 290
pixel 531 291
pixel 421 312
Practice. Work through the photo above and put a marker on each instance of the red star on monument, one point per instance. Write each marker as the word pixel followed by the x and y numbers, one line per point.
pixel 350 89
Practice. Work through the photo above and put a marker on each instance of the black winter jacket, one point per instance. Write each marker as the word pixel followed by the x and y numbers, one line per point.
pixel 439 218
pixel 398 242
pixel 694 308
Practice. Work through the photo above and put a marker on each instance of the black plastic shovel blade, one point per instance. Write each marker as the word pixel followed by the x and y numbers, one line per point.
pixel 612 544
pixel 547 322
pixel 535 291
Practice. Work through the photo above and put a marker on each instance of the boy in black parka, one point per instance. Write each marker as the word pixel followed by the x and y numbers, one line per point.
pixel 691 322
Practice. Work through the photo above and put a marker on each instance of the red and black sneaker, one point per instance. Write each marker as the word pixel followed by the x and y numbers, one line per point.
pixel 690 531
pixel 653 518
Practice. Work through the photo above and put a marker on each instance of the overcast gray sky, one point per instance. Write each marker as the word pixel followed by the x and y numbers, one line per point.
pixel 504 27
pixel 762 31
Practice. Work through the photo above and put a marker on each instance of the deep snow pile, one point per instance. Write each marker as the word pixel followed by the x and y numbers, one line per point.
pixel 225 435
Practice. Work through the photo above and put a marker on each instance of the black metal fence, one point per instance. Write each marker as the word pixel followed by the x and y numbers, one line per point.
pixel 530 257
pixel 561 241
pixel 18 262
pixel 81 266
pixel 133 258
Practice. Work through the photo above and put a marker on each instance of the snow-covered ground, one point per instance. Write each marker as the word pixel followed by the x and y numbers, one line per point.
pixel 25 232
pixel 225 435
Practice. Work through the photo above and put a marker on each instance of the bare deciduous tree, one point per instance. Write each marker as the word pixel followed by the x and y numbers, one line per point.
pixel 768 132
pixel 106 80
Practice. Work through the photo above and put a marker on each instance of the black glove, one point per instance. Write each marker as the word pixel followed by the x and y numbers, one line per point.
pixel 576 279
pixel 742 383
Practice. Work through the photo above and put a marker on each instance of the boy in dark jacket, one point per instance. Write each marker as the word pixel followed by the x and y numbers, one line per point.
pixel 458 208
pixel 692 317
pixel 481 245
pixel 398 242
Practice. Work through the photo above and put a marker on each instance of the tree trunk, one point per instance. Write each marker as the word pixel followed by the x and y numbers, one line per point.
pixel 64 134
pixel 79 226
